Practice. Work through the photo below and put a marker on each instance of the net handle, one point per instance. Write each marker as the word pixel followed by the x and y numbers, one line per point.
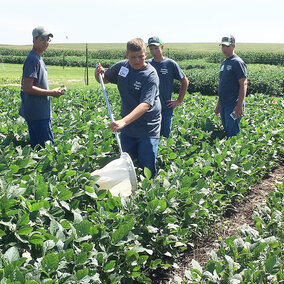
pixel 109 111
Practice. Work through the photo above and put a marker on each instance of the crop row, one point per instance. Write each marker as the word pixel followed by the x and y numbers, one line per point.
pixel 205 81
pixel 177 55
pixel 72 61
pixel 255 256
pixel 203 77
pixel 249 57
pixel 103 54
pixel 56 226
pixel 252 57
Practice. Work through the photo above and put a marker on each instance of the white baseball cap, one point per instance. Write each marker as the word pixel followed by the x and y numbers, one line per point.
pixel 227 40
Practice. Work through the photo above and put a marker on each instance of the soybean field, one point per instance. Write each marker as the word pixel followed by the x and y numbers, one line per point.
pixel 57 227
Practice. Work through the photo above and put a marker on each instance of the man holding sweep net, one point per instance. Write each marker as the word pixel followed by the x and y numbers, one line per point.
pixel 138 85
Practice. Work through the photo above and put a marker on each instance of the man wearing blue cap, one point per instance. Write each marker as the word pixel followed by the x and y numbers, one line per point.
pixel 35 93
pixel 168 70
pixel 232 88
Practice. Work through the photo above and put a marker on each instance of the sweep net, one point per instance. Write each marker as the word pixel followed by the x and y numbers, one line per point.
pixel 118 176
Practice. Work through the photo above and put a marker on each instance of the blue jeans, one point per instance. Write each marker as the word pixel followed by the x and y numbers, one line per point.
pixel 166 124
pixel 40 132
pixel 144 150
pixel 231 126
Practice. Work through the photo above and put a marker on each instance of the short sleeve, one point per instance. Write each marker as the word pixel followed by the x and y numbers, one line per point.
pixel 111 74
pixel 240 69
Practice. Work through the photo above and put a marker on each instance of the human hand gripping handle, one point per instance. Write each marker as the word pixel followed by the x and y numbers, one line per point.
pixel 99 70
pixel 98 73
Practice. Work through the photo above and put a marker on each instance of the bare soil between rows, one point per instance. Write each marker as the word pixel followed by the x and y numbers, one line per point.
pixel 228 227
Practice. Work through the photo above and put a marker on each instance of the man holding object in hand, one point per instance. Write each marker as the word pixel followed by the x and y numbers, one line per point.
pixel 232 88
pixel 35 93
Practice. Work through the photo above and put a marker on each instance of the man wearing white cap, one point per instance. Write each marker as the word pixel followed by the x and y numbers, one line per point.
pixel 35 93
pixel 232 88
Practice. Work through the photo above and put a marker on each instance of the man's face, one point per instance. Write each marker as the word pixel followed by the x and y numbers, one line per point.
pixel 228 50
pixel 136 59
pixel 155 50
pixel 42 43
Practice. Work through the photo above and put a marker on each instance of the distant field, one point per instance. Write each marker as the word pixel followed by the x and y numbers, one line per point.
pixel 209 54
pixel 200 47
pixel 73 78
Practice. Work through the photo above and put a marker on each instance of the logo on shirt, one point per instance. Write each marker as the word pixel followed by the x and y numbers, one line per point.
pixel 137 85
pixel 164 71
pixel 229 67
pixel 123 71
pixel 222 68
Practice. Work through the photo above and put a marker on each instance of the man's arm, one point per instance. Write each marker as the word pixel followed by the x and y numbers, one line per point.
pixel 182 91
pixel 217 108
pixel 242 94
pixel 29 88
pixel 134 115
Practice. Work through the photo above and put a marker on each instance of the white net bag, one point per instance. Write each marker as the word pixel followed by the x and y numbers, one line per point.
pixel 118 176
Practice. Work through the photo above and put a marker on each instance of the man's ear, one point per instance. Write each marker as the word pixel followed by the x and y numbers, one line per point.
pixel 126 54
pixel 161 46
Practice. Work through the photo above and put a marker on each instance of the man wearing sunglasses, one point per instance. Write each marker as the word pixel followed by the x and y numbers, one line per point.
pixel 35 94
pixel 232 88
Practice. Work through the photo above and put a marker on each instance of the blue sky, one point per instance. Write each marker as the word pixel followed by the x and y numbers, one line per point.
pixel 108 21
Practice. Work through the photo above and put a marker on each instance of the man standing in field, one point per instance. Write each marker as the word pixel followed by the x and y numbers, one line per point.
pixel 167 70
pixel 232 88
pixel 35 93
pixel 138 85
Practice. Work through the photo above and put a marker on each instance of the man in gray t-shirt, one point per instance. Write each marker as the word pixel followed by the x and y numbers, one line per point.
pixel 35 94
pixel 168 71
pixel 138 85
pixel 232 88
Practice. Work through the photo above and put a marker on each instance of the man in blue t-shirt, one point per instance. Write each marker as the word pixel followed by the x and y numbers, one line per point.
pixel 138 85
pixel 168 71
pixel 35 94
pixel 232 88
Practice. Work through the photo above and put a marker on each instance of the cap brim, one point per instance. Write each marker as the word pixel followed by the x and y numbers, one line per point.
pixel 225 43
pixel 47 34
pixel 50 35
pixel 154 43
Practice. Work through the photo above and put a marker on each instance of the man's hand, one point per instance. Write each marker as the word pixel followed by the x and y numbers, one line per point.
pixel 117 125
pixel 173 103
pixel 217 110
pixel 100 70
pixel 57 92
pixel 239 110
